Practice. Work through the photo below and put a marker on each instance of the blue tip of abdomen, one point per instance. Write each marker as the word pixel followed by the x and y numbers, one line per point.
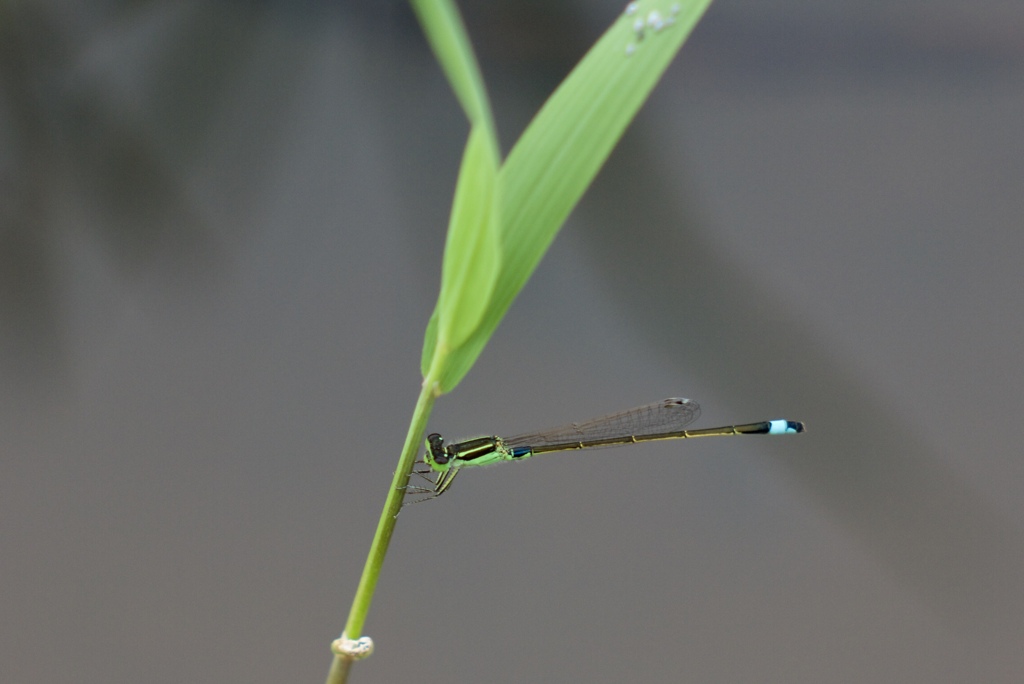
pixel 784 427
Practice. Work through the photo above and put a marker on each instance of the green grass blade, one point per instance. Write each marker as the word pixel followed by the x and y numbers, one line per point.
pixel 446 33
pixel 566 144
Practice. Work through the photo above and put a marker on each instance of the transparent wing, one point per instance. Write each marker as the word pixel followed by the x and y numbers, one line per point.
pixel 667 415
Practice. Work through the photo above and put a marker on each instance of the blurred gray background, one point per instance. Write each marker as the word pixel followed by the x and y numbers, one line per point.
pixel 220 240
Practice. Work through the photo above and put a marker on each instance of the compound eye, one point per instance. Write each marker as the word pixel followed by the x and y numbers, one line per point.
pixel 437 452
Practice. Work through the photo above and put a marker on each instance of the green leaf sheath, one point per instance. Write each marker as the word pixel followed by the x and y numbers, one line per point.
pixel 472 249
pixel 471 254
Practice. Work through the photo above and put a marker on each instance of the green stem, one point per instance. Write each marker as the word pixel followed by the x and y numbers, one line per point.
pixel 385 527
pixel 338 674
